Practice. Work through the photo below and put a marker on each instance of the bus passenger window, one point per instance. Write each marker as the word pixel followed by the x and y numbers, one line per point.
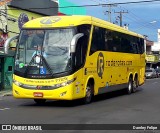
pixel 98 40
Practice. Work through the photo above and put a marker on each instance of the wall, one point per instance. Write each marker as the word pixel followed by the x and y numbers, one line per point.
pixel 156 46
pixel 21 11
pixel 45 7
pixel 16 19
pixel 71 10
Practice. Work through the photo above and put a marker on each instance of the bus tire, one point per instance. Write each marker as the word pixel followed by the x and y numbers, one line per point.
pixel 89 94
pixel 40 101
pixel 135 84
pixel 130 86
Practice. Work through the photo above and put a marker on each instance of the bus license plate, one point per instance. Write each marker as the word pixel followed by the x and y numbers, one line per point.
pixel 38 94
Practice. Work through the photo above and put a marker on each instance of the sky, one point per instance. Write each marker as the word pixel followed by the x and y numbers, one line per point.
pixel 143 18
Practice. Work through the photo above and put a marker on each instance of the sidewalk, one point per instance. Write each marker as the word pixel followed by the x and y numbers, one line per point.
pixel 5 93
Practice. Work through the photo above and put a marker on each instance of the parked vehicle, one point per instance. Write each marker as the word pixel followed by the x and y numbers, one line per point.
pixel 158 72
pixel 151 73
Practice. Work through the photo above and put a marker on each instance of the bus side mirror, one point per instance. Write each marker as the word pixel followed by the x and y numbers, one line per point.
pixel 7 42
pixel 74 42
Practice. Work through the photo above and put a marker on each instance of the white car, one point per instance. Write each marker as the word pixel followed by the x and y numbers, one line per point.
pixel 151 73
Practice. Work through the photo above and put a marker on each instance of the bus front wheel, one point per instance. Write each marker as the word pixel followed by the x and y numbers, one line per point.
pixel 89 94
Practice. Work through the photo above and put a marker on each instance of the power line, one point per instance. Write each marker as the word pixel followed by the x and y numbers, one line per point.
pixel 139 20
pixel 120 16
pixel 109 12
pixel 90 5
pixel 136 2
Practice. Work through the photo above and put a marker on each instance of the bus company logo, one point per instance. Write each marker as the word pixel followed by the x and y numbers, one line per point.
pixel 50 20
pixel 100 65
pixel 39 87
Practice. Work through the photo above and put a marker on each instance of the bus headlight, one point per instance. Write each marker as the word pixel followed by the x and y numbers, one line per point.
pixel 24 85
pixel 17 83
pixel 64 83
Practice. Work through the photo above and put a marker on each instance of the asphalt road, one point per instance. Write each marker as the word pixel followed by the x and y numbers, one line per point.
pixel 142 107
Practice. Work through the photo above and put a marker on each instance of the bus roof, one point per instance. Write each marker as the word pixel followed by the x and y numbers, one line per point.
pixel 74 20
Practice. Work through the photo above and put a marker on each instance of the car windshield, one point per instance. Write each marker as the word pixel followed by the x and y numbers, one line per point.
pixel 44 51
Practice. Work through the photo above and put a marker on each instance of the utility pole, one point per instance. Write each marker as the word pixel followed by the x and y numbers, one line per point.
pixel 109 5
pixel 109 10
pixel 120 16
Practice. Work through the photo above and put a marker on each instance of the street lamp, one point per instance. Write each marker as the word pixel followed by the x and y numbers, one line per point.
pixel 152 22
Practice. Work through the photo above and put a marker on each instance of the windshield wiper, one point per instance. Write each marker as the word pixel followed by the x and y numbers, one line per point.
pixel 48 67
pixel 42 63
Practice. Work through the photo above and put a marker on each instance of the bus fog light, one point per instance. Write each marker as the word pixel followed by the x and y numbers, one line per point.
pixel 16 92
pixel 63 93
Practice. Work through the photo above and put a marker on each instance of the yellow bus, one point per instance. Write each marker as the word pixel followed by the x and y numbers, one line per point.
pixel 76 57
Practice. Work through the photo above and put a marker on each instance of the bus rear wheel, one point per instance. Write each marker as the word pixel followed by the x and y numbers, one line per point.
pixel 135 84
pixel 130 86
pixel 89 94
pixel 40 101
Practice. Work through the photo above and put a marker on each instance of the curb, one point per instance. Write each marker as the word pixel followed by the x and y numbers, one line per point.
pixel 5 93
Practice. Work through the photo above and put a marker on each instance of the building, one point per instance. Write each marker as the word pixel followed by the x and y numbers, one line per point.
pixel 3 22
pixel 156 46
pixel 14 13
pixel 153 53
pixel 18 12
pixel 69 8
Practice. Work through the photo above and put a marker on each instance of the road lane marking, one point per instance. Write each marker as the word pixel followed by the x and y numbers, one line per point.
pixel 4 109
pixel 154 82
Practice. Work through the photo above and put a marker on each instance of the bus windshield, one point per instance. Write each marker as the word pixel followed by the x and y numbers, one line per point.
pixel 44 51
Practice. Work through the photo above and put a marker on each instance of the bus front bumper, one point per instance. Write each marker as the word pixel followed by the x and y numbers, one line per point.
pixel 64 93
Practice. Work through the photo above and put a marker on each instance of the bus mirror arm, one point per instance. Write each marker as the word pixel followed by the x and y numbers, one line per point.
pixel 7 42
pixel 74 42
